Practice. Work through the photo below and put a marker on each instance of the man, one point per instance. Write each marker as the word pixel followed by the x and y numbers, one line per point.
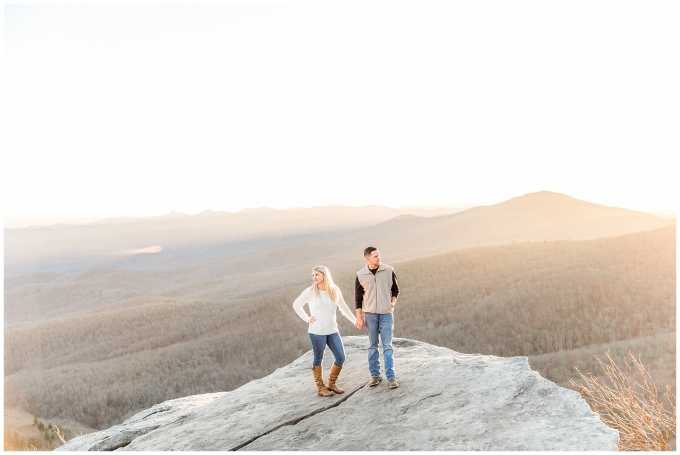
pixel 376 292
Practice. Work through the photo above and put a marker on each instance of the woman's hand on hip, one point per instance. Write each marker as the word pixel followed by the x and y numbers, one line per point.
pixel 312 320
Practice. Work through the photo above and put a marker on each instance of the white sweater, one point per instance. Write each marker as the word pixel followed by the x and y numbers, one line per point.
pixel 323 310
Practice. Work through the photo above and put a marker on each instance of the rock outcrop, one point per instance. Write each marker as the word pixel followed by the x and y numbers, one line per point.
pixel 446 401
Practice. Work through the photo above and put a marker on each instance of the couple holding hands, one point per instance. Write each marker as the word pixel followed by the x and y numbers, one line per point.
pixel 376 291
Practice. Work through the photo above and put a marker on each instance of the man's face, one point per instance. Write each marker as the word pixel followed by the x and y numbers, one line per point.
pixel 373 259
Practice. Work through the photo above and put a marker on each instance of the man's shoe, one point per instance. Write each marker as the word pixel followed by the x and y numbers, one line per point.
pixel 392 383
pixel 374 381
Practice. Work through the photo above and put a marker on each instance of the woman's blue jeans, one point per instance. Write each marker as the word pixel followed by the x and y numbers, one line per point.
pixel 333 341
pixel 380 325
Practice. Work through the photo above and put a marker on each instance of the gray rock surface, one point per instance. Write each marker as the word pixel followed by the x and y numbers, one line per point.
pixel 141 423
pixel 446 401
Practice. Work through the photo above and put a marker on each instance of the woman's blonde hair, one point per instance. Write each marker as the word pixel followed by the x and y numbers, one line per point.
pixel 330 286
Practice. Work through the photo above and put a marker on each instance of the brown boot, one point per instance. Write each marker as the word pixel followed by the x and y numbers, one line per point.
pixel 318 378
pixel 332 377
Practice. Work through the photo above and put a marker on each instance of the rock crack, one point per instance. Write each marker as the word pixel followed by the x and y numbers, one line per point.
pixel 298 419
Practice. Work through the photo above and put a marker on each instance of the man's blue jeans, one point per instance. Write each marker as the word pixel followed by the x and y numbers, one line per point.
pixel 380 325
pixel 333 341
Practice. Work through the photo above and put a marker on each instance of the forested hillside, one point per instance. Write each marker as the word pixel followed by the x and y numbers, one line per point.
pixel 549 300
pixel 538 297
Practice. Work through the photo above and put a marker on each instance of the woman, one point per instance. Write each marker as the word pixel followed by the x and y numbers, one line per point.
pixel 322 297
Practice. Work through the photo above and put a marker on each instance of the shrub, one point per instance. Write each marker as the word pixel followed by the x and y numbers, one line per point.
pixel 628 400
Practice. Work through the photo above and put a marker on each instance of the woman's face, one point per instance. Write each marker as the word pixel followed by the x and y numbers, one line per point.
pixel 317 277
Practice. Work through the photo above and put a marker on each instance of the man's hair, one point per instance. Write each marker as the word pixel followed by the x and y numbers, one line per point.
pixel 369 250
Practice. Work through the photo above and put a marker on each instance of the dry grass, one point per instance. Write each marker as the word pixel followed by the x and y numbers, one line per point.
pixel 22 435
pixel 629 401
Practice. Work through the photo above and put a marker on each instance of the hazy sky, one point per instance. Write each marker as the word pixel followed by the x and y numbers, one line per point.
pixel 140 109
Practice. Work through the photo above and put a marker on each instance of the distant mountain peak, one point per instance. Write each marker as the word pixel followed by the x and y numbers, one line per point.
pixel 546 199
pixel 549 200
pixel 545 194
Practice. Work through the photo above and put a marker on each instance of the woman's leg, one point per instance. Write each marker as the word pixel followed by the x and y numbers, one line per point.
pixel 318 346
pixel 335 344
pixel 338 350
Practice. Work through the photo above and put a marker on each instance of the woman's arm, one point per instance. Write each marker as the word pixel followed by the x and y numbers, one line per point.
pixel 297 306
pixel 344 309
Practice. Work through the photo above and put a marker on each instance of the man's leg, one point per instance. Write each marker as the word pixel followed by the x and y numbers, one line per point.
pixel 371 320
pixel 386 328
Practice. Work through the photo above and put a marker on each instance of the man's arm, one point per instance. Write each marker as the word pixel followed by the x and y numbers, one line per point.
pixel 359 301
pixel 358 294
pixel 395 288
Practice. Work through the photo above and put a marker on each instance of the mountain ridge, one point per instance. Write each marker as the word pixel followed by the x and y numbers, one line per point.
pixel 546 214
pixel 240 270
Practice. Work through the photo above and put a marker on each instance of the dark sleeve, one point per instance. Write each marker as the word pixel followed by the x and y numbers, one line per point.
pixel 395 286
pixel 358 293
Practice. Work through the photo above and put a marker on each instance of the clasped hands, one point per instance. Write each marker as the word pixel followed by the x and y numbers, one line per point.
pixel 359 324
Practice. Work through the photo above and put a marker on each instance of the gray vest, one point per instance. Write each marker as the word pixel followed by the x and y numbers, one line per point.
pixel 377 289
